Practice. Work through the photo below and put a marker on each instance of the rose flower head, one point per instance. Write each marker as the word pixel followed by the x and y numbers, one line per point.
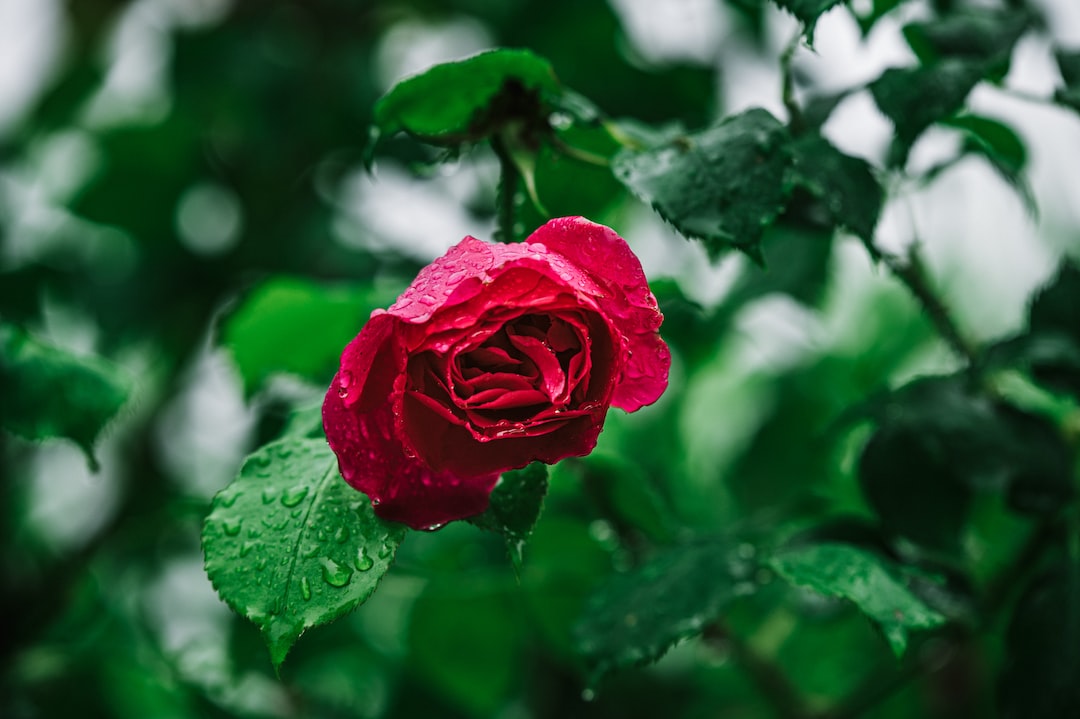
pixel 494 357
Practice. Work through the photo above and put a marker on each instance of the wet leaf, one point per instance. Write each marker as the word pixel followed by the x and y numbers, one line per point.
pixel 845 186
pixel 865 579
pixel 514 506
pixel 635 617
pixel 468 100
pixel 291 546
pixel 722 185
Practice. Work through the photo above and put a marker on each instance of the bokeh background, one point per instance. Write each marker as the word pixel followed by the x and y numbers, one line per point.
pixel 162 162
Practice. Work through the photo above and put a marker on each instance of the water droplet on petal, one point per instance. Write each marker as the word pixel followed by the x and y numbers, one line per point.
pixel 294 496
pixel 305 589
pixel 363 561
pixel 334 574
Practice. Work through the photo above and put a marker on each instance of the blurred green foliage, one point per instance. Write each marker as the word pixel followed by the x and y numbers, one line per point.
pixel 177 281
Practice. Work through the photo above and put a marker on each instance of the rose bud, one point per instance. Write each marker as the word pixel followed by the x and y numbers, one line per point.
pixel 494 357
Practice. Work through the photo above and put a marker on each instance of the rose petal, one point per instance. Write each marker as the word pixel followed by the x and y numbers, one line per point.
pixel 611 263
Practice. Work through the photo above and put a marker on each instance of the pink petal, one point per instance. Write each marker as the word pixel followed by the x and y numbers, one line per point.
pixel 628 302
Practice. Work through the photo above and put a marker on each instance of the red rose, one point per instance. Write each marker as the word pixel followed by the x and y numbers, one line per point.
pixel 495 356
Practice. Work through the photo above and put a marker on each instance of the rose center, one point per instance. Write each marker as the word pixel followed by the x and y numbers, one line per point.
pixel 531 363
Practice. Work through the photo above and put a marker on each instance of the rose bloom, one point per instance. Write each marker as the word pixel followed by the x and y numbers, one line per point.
pixel 494 357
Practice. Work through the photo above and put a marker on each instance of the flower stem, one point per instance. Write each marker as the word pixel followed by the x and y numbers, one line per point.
pixel 509 177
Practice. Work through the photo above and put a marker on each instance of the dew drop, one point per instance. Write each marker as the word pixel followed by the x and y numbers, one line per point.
pixel 310 551
pixel 232 526
pixel 294 496
pixel 228 497
pixel 305 589
pixel 363 561
pixel 335 574
pixel 246 547
pixel 384 550
pixel 341 535
pixel 345 379
pixel 269 494
pixel 260 564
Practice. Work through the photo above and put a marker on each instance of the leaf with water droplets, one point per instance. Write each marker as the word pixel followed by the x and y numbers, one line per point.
pixel 635 617
pixel 291 546
pixel 722 185
pixel 49 392
pixel 864 578
pixel 514 507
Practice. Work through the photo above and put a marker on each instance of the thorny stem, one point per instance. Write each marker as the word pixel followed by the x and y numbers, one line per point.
pixel 911 272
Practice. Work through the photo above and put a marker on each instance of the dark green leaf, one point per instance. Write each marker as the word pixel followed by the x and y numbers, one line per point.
pixel 915 98
pixel 948 428
pixel 1042 648
pixel 469 99
pixel 297 326
pixel 867 580
pixel 1000 145
pixel 912 490
pixel 1050 349
pixel 722 185
pixel 977 35
pixel 515 505
pixel 634 618
pixel 49 392
pixel 845 185
pixel 878 10
pixel 1056 307
pixel 290 545
pixel 808 11
pixel 1069 63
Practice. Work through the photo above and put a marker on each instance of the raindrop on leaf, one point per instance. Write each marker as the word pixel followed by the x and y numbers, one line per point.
pixel 294 496
pixel 335 574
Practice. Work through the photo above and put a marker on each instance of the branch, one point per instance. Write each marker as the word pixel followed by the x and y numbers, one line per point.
pixel 912 272
pixel 769 679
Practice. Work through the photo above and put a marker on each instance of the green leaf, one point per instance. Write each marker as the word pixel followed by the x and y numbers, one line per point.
pixel 912 490
pixel 722 185
pixel 290 545
pixel 49 392
pixel 297 326
pixel 978 35
pixel 1050 349
pixel 808 11
pixel 1042 648
pixel 634 618
pixel 1069 64
pixel 878 10
pixel 514 506
pixel 845 185
pixel 915 98
pixel 1001 147
pixel 865 579
pixel 468 100
pixel 948 428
